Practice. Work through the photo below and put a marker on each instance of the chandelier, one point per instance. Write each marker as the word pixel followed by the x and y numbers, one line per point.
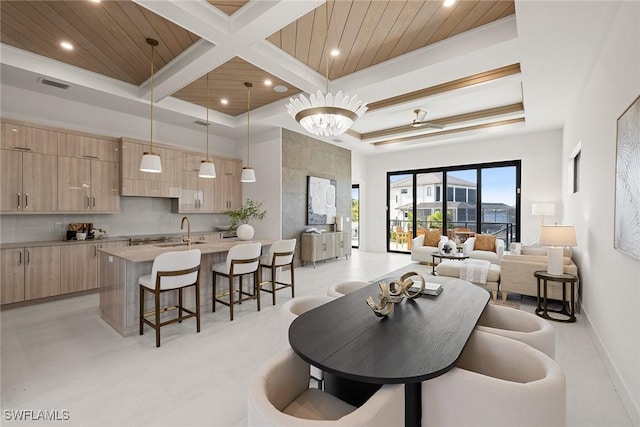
pixel 326 115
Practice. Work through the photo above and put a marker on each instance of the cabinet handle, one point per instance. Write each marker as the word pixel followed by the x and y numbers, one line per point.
pixel 22 148
pixel 94 202
pixel 28 257
pixel 26 200
pixel 88 202
pixel 19 257
pixel 19 197
pixel 95 251
pixel 91 157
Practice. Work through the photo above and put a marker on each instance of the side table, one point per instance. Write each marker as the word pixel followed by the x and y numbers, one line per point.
pixel 568 307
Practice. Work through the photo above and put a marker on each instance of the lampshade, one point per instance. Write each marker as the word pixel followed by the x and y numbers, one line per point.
pixel 150 161
pixel 248 175
pixel 543 209
pixel 558 235
pixel 207 169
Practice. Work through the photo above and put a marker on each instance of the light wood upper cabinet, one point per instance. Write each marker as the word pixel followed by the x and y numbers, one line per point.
pixel 86 185
pixel 136 183
pixel 88 147
pixel 228 188
pixel 29 182
pixel 196 194
pixel 31 139
pixel 11 275
pixel 42 272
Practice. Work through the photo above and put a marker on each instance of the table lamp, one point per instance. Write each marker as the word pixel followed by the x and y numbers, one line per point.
pixel 557 237
pixel 543 209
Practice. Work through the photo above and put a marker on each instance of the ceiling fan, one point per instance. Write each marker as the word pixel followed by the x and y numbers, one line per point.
pixel 419 121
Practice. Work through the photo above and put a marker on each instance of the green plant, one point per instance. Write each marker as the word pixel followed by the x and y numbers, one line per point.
pixel 245 213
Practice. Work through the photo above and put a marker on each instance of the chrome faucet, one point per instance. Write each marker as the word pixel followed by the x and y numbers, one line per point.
pixel 188 238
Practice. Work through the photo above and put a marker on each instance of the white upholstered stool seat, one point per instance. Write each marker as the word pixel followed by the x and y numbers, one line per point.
pixel 171 271
pixel 497 382
pixel 341 289
pixel 281 254
pixel 279 396
pixel 519 325
pixel 243 259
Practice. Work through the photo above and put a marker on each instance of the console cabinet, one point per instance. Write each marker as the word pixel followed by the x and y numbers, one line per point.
pixel 318 247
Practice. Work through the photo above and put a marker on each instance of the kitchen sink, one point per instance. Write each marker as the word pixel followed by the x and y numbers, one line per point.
pixel 178 244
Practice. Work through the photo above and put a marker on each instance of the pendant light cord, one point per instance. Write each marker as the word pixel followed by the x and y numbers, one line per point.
pixel 248 85
pixel 153 43
pixel 207 117
pixel 326 22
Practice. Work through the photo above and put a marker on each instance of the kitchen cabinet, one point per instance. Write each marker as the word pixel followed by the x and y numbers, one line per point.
pixel 196 194
pixel 136 183
pixel 89 147
pixel 87 185
pixel 29 182
pixel 12 275
pixel 41 272
pixel 227 188
pixel 79 265
pixel 29 169
pixel 318 247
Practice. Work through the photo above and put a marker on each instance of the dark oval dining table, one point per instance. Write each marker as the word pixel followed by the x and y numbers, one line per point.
pixel 421 339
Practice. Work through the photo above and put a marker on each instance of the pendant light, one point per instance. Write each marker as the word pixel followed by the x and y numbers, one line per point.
pixel 207 168
pixel 326 115
pixel 248 174
pixel 151 161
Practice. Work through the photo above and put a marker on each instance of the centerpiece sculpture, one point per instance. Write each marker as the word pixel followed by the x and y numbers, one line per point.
pixel 395 293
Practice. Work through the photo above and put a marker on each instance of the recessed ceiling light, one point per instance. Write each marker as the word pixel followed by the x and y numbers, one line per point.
pixel 280 88
pixel 95 1
pixel 66 45
pixel 448 3
pixel 268 82
pixel 335 52
pixel 224 101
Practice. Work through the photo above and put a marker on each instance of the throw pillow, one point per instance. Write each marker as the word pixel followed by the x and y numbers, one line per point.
pixel 485 242
pixel 432 239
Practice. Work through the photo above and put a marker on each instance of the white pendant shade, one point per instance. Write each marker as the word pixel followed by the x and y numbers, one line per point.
pixel 248 175
pixel 150 163
pixel 207 169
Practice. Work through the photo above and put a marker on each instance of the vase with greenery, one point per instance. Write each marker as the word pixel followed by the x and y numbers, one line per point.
pixel 250 210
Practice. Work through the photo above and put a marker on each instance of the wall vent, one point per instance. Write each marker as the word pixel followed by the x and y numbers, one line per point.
pixel 54 83
pixel 202 122
pixel 336 140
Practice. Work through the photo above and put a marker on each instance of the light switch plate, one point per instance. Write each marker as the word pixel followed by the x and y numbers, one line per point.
pixel 57 226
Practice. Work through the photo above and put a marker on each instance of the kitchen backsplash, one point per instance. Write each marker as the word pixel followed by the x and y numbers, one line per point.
pixel 138 215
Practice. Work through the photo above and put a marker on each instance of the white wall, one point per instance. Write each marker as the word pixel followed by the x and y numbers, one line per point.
pixel 266 160
pixel 610 280
pixel 540 153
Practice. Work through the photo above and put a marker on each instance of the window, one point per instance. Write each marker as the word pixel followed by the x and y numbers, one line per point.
pixel 404 191
pixel 576 172
pixel 461 194
pixel 449 194
pixel 428 191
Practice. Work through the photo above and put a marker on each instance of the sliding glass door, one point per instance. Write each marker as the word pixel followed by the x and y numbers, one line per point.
pixel 457 201
pixel 355 216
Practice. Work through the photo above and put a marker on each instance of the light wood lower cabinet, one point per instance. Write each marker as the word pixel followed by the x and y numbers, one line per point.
pixel 318 247
pixel 79 265
pixel 11 275
pixel 42 272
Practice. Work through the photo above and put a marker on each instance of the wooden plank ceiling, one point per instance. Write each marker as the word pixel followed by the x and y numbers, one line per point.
pixel 109 39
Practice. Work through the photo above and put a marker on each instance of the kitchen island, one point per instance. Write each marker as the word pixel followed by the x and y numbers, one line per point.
pixel 120 269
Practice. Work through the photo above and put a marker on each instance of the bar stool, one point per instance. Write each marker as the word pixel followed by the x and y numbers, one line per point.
pixel 171 271
pixel 280 255
pixel 241 260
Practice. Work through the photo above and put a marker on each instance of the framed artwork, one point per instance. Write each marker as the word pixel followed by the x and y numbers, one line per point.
pixel 321 200
pixel 627 200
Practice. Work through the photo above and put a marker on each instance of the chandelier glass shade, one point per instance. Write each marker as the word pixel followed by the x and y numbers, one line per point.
pixel 327 115
pixel 151 161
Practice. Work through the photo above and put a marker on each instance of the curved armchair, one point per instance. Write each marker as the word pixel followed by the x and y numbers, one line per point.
pixel 338 290
pixel 279 396
pixel 422 253
pixel 497 382
pixel 519 325
pixel 493 256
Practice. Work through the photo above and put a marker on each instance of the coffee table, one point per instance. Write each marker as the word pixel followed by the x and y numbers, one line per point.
pixel 441 256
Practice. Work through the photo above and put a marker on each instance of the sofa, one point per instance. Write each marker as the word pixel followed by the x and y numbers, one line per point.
pixel 516 273
pixel 493 256
pixel 422 253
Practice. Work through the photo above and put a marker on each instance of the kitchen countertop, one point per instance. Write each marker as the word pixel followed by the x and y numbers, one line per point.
pixel 33 244
pixel 144 253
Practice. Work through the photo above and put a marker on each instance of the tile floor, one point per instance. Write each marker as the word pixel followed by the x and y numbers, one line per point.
pixel 60 355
